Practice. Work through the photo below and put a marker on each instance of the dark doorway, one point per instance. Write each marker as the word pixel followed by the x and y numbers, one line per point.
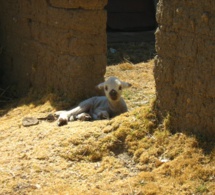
pixel 131 15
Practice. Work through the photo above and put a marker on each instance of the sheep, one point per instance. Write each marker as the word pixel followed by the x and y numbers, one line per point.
pixel 98 107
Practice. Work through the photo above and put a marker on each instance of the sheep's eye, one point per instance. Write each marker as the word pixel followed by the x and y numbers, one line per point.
pixel 106 88
pixel 120 87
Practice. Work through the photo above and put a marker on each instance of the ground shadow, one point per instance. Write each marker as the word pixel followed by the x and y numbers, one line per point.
pixel 132 52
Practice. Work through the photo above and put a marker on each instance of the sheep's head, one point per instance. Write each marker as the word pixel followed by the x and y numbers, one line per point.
pixel 113 88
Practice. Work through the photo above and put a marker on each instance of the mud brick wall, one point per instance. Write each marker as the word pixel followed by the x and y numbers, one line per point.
pixel 184 68
pixel 52 45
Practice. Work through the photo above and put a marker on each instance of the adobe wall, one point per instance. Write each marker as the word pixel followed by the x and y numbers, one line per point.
pixel 184 69
pixel 52 45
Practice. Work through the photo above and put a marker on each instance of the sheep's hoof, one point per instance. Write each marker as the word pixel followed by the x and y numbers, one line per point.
pixel 62 122
pixel 86 118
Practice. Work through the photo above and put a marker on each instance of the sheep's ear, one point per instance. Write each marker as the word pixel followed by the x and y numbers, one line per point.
pixel 125 84
pixel 100 86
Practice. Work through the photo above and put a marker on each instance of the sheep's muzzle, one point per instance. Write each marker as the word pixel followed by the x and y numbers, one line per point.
pixel 113 94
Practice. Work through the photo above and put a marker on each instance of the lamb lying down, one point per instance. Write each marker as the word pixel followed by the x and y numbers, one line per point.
pixel 98 107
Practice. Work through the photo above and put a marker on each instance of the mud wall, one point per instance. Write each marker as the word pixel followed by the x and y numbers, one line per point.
pixel 52 45
pixel 184 68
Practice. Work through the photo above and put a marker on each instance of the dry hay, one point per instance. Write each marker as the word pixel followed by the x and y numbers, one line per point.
pixel 130 154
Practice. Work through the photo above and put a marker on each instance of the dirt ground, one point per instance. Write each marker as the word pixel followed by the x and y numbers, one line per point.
pixel 129 155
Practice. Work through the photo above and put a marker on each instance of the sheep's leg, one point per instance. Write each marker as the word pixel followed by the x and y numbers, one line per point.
pixel 83 117
pixel 101 115
pixel 58 113
pixel 65 116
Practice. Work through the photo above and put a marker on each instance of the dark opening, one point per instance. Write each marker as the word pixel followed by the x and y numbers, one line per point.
pixel 131 16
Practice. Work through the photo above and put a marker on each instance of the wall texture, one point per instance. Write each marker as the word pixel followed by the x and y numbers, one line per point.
pixel 52 45
pixel 184 69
